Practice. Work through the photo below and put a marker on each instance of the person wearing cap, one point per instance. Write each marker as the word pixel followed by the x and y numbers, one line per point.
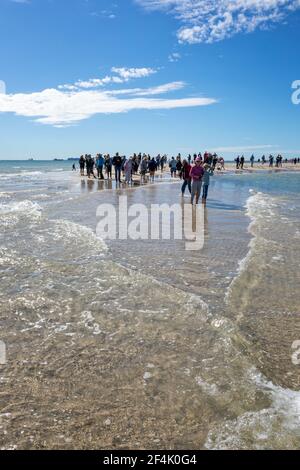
pixel 196 175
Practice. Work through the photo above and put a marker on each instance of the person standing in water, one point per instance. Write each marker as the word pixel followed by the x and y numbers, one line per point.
pixel 99 166
pixel 108 166
pixel 128 167
pixel 173 167
pixel 186 169
pixel 179 166
pixel 196 175
pixel 143 168
pixel 252 160
pixel 89 166
pixel 81 165
pixel 118 162
pixel 152 169
pixel 222 163
pixel 208 172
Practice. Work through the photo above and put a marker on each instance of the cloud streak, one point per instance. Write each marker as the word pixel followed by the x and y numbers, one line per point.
pixel 61 108
pixel 121 75
pixel 208 21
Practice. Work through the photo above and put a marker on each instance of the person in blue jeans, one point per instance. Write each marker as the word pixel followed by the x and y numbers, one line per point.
pixel 208 172
pixel 99 165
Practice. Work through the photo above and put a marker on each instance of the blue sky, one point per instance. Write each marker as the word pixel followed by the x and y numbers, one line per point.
pixel 168 76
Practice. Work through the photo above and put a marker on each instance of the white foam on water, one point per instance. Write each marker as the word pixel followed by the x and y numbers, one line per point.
pixel 28 173
pixel 25 206
pixel 89 322
pixel 275 427
pixel 4 195
pixel 259 207
pixel 65 228
pixel 209 388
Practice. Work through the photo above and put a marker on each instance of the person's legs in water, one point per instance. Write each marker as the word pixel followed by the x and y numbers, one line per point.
pixel 199 187
pixel 183 187
pixel 195 186
pixel 118 174
pixel 128 177
pixel 205 193
pixel 186 183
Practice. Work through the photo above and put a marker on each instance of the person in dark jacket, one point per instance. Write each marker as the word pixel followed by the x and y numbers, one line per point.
pixel 118 162
pixel 186 169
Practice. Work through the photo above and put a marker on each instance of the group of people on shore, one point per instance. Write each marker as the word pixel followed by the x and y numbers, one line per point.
pixel 138 163
pixel 195 171
pixel 272 160
pixel 176 165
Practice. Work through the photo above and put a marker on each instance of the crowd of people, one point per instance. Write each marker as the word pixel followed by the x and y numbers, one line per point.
pixel 271 160
pixel 136 164
pixel 195 171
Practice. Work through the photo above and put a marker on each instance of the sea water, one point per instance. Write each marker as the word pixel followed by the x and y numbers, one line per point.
pixel 141 344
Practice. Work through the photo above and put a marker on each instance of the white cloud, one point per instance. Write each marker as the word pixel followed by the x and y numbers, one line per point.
pixel 127 74
pixel 62 108
pixel 174 57
pixel 214 20
pixel 122 75
pixel 159 90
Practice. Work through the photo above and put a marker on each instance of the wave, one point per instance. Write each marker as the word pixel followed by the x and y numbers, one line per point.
pixel 4 195
pixel 272 427
pixel 259 208
pixel 66 230
pixel 25 206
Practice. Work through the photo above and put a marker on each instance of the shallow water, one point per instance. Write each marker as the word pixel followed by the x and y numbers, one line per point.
pixel 142 344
